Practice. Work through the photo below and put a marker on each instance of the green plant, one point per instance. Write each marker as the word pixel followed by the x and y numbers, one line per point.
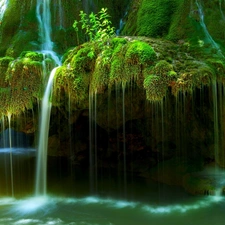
pixel 96 26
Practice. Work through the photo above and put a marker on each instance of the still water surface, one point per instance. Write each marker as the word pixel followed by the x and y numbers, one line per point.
pixel 69 200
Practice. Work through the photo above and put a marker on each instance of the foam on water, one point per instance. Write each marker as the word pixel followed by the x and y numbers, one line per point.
pixel 93 210
pixel 49 203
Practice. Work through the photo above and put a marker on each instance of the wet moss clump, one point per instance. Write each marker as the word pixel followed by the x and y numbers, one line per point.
pixel 157 80
pixel 196 75
pixel 218 66
pixel 100 77
pixel 139 55
pixel 117 73
pixel 21 84
pixel 89 68
pixel 34 56
pixel 155 65
pixel 72 78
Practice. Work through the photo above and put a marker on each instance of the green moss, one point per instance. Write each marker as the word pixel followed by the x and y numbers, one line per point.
pixel 35 56
pixel 100 76
pixel 162 68
pixel 218 65
pixel 130 26
pixel 71 84
pixel 18 28
pixel 196 75
pixel 4 61
pixel 180 25
pixel 73 78
pixel 138 56
pixel 83 60
pixel 21 87
pixel 141 52
pixel 214 18
pixel 117 73
pixel 117 41
pixel 157 80
pixel 155 87
pixel 154 17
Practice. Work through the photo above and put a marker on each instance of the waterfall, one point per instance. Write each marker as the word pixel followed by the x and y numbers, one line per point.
pixel 93 161
pixel 124 141
pixel 41 175
pixel 221 11
pixel 215 118
pixel 45 29
pixel 44 18
pixel 206 32
pixel 11 159
pixel 3 6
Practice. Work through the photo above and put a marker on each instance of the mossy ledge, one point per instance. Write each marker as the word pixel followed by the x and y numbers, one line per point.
pixel 155 65
pixel 21 82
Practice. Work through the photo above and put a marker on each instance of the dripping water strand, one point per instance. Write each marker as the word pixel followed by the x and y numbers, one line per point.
pixel 221 11
pixel 95 143
pixel 11 159
pixel 207 34
pixel 3 7
pixel 117 134
pixel 70 133
pixel 4 146
pixel 215 117
pixel 41 174
pixel 91 163
pixel 124 141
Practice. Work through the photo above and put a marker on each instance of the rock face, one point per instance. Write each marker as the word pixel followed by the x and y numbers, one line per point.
pixel 154 96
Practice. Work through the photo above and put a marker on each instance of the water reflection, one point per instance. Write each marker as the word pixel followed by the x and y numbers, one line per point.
pixel 69 201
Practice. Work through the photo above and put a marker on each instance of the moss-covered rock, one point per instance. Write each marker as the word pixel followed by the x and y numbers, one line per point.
pixel 154 17
pixel 154 65
pixel 21 82
pixel 73 77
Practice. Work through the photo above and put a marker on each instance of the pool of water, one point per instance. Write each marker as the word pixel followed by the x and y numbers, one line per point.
pixel 70 200
pixel 93 210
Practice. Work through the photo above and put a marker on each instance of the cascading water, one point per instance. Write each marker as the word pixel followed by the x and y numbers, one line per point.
pixel 150 206
pixel 41 176
pixel 11 159
pixel 44 18
pixel 124 142
pixel 45 29
pixel 215 118
pixel 221 11
pixel 207 34
pixel 3 7
pixel 93 153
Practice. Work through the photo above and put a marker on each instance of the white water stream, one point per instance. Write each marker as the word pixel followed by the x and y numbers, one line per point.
pixel 41 174
pixel 3 7
pixel 43 12
pixel 43 209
